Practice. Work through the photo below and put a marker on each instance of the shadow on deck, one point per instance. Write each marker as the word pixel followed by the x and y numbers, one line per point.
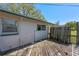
pixel 41 48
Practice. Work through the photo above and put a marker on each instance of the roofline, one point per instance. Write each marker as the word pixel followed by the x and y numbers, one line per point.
pixel 25 16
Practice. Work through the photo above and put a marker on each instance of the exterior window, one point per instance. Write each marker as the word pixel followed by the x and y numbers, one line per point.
pixel 38 27
pixel 9 26
pixel 41 27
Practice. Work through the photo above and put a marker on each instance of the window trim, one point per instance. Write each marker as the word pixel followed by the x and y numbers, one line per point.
pixel 9 33
pixel 41 27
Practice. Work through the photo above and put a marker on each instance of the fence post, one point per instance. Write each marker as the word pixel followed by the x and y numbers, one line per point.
pixel 60 34
pixel 77 37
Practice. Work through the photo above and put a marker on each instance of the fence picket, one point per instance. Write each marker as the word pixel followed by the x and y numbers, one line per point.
pixel 60 34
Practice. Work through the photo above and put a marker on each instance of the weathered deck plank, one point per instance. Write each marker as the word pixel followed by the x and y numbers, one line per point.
pixel 44 48
pixel 75 50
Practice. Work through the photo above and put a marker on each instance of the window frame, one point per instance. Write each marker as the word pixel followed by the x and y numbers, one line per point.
pixel 9 33
pixel 42 27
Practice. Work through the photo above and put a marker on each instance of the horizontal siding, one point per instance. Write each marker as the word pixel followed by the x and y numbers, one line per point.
pixel 40 35
pixel 9 42
pixel 27 34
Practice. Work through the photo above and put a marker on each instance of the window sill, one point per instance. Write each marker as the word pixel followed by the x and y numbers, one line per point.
pixel 8 34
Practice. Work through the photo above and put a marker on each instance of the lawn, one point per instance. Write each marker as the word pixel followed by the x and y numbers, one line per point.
pixel 73 36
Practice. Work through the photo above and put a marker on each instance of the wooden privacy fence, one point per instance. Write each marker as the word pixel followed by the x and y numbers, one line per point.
pixel 77 27
pixel 65 34
pixel 60 34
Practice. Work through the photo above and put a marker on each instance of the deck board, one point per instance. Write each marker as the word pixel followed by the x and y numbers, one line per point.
pixel 44 48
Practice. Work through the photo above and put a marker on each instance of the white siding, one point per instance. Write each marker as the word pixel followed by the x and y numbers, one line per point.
pixel 0 34
pixel 0 27
pixel 40 35
pixel 9 42
pixel 27 34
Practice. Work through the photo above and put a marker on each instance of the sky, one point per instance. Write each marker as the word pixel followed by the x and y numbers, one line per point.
pixel 61 13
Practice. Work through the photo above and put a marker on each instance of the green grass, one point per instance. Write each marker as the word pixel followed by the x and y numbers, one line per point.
pixel 73 36
pixel 74 32
pixel 73 40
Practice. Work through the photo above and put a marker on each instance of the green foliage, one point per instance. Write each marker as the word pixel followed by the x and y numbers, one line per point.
pixel 12 8
pixel 72 24
pixel 26 9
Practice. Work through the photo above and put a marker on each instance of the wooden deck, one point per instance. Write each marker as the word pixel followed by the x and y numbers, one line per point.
pixel 44 48
pixel 75 50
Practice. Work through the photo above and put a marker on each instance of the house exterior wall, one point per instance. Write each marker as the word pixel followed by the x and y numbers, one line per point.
pixel 40 35
pixel 26 33
pixel 0 27
pixel 30 28
pixel 27 30
pixel 9 42
pixel 0 34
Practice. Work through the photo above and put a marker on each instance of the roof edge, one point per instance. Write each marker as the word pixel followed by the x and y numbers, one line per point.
pixel 25 16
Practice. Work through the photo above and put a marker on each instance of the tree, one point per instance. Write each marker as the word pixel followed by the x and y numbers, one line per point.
pixel 26 10
pixel 12 7
pixel 72 24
